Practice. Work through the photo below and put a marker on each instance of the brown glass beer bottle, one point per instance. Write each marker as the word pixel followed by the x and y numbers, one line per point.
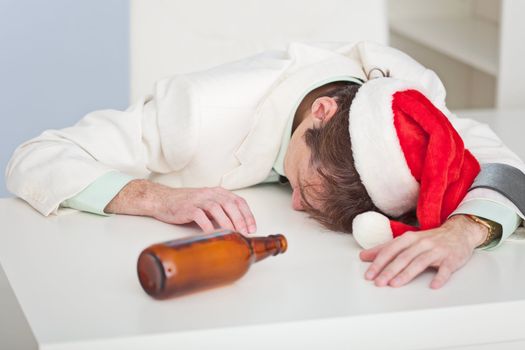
pixel 183 265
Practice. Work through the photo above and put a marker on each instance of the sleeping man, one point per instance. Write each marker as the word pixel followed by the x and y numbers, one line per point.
pixel 361 132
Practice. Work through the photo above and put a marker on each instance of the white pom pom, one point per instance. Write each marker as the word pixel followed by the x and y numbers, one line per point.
pixel 371 228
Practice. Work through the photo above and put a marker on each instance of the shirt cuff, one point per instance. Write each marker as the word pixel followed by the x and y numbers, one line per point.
pixel 506 217
pixel 99 193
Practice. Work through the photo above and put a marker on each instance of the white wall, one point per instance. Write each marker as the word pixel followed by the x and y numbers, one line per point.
pixel 169 37
pixel 476 46
pixel 511 81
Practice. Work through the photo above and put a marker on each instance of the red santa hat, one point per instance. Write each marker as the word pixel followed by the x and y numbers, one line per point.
pixel 408 156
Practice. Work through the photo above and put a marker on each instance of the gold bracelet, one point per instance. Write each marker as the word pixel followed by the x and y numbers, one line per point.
pixel 494 229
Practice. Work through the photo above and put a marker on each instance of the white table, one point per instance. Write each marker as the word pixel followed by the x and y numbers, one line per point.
pixel 76 287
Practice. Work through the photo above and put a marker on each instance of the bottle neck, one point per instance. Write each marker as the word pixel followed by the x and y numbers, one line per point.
pixel 263 247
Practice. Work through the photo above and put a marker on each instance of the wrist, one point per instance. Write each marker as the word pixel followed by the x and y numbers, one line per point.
pixel 475 232
pixel 138 197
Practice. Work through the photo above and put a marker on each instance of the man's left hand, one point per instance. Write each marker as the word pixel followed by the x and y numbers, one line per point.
pixel 446 248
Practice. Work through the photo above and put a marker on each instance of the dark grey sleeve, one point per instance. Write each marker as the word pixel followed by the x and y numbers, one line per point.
pixel 505 179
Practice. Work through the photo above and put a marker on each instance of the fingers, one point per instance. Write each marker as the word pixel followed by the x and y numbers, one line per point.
pixel 442 276
pixel 370 254
pixel 404 260
pixel 418 265
pixel 204 206
pixel 388 252
pixel 203 221
pixel 398 262
pixel 238 212
pixel 218 214
pixel 246 212
pixel 229 210
pixel 236 217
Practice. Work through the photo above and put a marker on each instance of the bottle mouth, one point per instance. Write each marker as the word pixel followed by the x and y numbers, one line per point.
pixel 282 243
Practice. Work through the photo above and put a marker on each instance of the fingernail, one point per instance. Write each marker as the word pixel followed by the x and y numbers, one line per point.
pixel 369 275
pixel 252 228
pixel 395 282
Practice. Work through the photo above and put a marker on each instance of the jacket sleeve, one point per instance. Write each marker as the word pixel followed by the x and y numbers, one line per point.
pixel 98 194
pixel 59 164
pixel 487 147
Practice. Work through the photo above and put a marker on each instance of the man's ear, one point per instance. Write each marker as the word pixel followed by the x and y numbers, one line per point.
pixel 323 109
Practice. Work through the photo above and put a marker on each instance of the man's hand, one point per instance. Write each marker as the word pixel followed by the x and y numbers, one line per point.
pixel 184 205
pixel 446 248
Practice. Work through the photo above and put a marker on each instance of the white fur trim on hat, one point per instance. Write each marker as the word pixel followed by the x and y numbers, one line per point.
pixel 371 229
pixel 377 153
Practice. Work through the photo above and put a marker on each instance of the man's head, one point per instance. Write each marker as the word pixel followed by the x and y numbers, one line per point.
pixel 319 162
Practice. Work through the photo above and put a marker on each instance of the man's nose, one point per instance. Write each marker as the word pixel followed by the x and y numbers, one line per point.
pixel 297 203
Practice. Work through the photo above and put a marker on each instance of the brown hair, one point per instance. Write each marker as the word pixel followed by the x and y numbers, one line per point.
pixel 342 195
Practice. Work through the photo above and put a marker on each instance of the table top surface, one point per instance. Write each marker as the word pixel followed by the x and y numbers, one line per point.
pixel 74 275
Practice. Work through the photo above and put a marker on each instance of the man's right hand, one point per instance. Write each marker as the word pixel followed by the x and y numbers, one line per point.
pixel 204 206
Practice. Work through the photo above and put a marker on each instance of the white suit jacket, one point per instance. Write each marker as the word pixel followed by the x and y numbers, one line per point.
pixel 220 127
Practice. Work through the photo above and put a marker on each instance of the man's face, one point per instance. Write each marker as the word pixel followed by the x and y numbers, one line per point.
pixel 302 176
pixel 297 166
